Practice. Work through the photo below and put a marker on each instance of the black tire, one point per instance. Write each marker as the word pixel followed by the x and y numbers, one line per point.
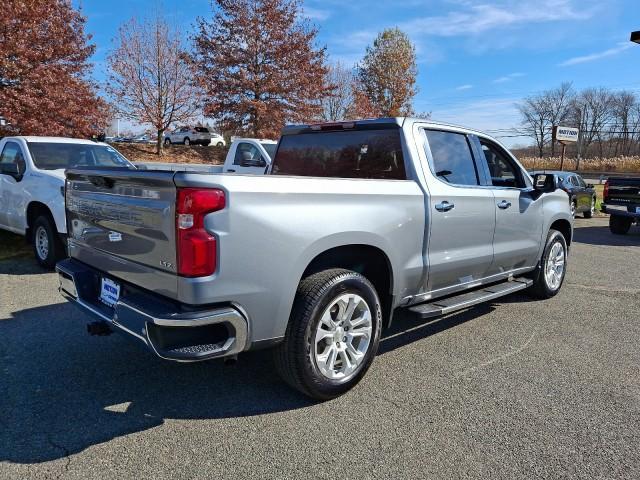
pixel 220 144
pixel 295 357
pixel 44 231
pixel 619 225
pixel 541 287
pixel 187 141
pixel 592 209
pixel 167 142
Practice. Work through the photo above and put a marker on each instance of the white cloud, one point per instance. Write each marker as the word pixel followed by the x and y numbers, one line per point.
pixel 464 87
pixel 480 18
pixel 508 78
pixel 495 116
pixel 315 14
pixel 596 56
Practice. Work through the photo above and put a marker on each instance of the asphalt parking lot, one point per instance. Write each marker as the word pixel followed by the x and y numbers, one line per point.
pixel 518 388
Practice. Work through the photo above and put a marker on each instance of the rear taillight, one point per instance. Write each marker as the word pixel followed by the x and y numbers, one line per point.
pixel 197 255
pixel 605 192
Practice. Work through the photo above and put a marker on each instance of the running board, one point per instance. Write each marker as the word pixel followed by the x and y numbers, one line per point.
pixel 468 299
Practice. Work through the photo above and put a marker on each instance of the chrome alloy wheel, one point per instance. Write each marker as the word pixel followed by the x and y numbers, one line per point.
pixel 593 206
pixel 554 268
pixel 342 337
pixel 42 243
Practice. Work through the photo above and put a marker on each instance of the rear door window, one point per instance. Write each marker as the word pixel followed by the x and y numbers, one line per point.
pixel 342 154
pixel 451 158
pixel 502 170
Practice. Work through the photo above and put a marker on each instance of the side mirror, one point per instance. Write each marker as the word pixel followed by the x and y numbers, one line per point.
pixel 11 169
pixel 545 182
pixel 253 163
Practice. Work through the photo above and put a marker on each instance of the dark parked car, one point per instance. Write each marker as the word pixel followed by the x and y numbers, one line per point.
pixel 582 195
pixel 621 200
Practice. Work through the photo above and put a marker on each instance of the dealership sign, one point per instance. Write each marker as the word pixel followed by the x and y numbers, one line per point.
pixel 565 134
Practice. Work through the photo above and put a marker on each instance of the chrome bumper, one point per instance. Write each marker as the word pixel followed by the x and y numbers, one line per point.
pixel 168 329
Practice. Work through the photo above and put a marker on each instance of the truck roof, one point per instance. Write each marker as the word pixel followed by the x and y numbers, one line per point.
pixel 36 139
pixel 377 122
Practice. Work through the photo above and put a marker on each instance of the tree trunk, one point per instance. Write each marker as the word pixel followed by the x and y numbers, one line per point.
pixel 159 142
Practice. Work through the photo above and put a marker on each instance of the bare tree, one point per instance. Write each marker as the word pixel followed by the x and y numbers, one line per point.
pixel 535 120
pixel 150 78
pixel 592 110
pixel 558 103
pixel 338 104
pixel 623 104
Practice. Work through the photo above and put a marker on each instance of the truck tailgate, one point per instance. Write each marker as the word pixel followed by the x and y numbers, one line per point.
pixel 123 222
pixel 624 191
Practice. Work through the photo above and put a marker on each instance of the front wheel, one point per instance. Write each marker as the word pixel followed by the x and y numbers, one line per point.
pixel 619 225
pixel 167 142
pixel 220 144
pixel 187 141
pixel 549 275
pixel 574 207
pixel 47 247
pixel 333 334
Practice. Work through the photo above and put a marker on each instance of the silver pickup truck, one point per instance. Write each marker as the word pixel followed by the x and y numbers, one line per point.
pixel 353 221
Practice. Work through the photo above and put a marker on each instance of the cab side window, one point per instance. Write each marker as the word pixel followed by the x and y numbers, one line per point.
pixel 248 155
pixel 452 161
pixel 503 171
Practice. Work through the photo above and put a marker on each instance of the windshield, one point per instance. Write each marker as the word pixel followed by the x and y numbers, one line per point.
pixel 54 156
pixel 270 148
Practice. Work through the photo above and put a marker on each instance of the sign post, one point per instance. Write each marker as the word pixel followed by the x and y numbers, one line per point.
pixel 564 135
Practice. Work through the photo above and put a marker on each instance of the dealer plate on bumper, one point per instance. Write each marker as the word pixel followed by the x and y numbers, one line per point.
pixel 109 292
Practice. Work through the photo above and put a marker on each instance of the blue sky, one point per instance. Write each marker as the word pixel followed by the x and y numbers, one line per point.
pixel 476 59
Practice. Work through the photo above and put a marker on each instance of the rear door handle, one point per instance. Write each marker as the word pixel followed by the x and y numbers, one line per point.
pixel 444 206
pixel 504 204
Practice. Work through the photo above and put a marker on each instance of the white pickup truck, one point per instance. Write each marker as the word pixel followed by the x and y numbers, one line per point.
pixel 246 155
pixel 32 187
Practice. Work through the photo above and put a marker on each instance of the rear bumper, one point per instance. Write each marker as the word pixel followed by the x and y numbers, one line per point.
pixel 171 330
pixel 621 210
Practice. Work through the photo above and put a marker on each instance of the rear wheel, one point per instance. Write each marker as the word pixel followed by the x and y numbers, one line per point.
pixel 549 275
pixel 333 334
pixel 220 144
pixel 47 247
pixel 592 209
pixel 619 225
pixel 573 207
pixel 187 141
pixel 167 141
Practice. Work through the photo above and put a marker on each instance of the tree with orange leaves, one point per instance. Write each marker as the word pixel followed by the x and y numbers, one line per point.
pixel 258 65
pixel 44 55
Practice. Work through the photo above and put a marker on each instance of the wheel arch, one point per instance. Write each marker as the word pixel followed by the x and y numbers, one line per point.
pixel 36 209
pixel 370 261
pixel 564 227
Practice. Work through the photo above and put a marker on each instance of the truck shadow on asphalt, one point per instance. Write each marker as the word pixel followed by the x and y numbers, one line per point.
pixel 601 235
pixel 64 391
pixel 21 266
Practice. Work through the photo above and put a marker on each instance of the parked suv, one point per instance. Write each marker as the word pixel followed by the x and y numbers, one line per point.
pixel 352 221
pixel 189 136
pixel 582 195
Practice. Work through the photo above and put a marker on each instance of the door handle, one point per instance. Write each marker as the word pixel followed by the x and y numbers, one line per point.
pixel 444 206
pixel 504 204
pixel 231 170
